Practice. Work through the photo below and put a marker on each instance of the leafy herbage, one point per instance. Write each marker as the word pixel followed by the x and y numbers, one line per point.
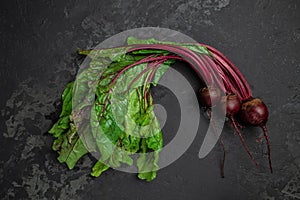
pixel 116 130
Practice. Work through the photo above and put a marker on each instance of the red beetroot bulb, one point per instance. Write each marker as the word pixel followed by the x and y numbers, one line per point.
pixel 231 104
pixel 254 112
pixel 209 96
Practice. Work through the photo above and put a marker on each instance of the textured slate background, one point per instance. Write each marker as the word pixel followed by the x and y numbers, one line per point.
pixel 38 57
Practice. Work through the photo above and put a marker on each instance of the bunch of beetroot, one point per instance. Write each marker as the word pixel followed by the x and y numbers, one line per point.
pixel 221 75
pixel 238 101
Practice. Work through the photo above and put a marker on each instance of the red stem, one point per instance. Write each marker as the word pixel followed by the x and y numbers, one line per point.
pixel 232 84
pixel 155 69
pixel 236 84
pixel 221 142
pixel 242 140
pixel 235 77
pixel 181 53
pixel 233 67
pixel 224 156
pixel 201 65
pixel 150 65
pixel 225 64
pixel 268 145
pixel 149 79
pixel 216 67
pixel 205 66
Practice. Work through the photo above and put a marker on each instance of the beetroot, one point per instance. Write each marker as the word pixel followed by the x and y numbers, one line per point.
pixel 231 104
pixel 254 112
pixel 209 96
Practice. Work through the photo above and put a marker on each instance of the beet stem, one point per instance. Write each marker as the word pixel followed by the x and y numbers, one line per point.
pixel 234 77
pixel 268 145
pixel 208 66
pixel 214 67
pixel 224 156
pixel 148 79
pixel 183 53
pixel 242 140
pixel 221 142
pixel 150 65
pixel 239 74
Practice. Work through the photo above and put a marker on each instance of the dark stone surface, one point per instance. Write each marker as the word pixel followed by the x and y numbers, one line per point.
pixel 38 47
